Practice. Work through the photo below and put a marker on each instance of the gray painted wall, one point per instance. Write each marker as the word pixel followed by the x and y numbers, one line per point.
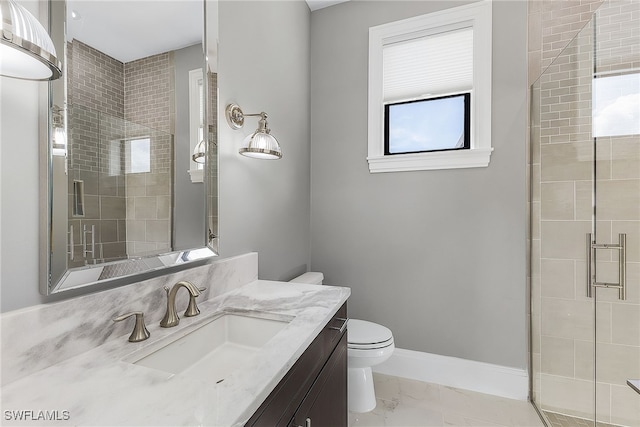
pixel 437 256
pixel 189 211
pixel 19 215
pixel 265 204
pixel 264 66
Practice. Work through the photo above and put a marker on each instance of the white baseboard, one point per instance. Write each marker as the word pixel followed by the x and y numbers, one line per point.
pixel 482 377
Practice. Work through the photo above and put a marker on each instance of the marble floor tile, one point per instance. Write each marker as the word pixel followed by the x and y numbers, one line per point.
pixel 451 419
pixel 402 402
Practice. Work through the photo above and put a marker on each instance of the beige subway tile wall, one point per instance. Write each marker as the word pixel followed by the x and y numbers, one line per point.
pixel 149 103
pixel 111 104
pixel 95 113
pixel 552 26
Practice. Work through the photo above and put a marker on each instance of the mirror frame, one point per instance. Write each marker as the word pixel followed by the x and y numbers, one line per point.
pixel 148 266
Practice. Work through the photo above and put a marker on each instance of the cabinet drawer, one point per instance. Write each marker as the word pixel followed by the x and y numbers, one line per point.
pixel 280 406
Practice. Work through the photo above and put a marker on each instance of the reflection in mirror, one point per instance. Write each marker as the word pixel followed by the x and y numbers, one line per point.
pixel 125 195
pixel 211 14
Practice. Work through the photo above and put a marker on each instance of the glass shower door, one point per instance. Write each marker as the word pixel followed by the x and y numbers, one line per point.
pixel 615 273
pixel 563 158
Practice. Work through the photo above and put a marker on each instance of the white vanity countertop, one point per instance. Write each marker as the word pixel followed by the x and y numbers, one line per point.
pixel 99 388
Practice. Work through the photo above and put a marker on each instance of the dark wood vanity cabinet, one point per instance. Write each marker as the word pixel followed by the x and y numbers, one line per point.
pixel 314 391
pixel 326 403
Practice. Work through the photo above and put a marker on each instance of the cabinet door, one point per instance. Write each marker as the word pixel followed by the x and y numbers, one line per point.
pixel 283 402
pixel 326 403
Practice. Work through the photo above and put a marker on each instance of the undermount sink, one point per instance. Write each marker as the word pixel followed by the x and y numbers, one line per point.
pixel 215 348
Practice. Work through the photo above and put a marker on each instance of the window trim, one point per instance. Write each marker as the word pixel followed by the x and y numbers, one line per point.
pixel 476 15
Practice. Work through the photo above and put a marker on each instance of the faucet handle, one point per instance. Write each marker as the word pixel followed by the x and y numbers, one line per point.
pixel 140 332
pixel 192 309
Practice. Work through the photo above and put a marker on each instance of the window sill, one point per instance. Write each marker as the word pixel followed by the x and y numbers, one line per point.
pixel 474 158
pixel 197 175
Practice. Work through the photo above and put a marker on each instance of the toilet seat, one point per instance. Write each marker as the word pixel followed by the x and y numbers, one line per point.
pixel 364 335
pixel 368 344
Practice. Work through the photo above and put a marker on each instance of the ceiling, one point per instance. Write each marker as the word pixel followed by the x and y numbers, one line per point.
pixel 131 31
pixel 125 21
pixel 320 4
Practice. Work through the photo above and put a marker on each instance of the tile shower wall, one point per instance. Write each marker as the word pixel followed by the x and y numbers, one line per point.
pixel 149 102
pixel 149 92
pixel 95 113
pixel 563 321
pixel 552 25
pixel 618 211
pixel 562 315
pixel 112 103
pixel 96 80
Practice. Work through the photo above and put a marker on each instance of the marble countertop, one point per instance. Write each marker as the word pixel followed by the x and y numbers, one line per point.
pixel 98 387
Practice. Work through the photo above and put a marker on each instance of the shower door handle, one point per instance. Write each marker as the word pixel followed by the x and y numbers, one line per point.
pixel 85 233
pixel 622 265
pixel 71 249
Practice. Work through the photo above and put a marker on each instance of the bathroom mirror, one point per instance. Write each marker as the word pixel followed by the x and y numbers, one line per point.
pixel 131 164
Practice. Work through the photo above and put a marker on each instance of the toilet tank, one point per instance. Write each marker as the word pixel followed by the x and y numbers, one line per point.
pixel 312 278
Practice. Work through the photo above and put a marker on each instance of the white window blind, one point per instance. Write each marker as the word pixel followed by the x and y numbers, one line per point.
pixel 427 66
pixel 200 85
pixel 425 57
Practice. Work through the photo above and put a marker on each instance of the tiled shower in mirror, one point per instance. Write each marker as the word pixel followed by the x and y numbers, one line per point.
pixel 120 155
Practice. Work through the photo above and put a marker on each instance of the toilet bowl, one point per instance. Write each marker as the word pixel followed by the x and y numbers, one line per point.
pixel 368 344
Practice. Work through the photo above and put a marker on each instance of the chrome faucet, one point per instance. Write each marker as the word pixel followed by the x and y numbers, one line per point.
pixel 171 318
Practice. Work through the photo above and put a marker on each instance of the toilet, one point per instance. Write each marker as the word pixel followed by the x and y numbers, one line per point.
pixel 368 344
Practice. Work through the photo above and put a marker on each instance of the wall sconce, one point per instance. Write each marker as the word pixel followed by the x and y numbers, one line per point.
pixel 26 50
pixel 260 144
pixel 199 153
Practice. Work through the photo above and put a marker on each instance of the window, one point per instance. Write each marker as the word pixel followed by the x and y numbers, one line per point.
pixel 616 105
pixel 139 155
pixel 434 124
pixel 430 91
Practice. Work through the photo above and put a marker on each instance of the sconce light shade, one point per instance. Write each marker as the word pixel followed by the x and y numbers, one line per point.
pixel 199 153
pixel 260 144
pixel 26 50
